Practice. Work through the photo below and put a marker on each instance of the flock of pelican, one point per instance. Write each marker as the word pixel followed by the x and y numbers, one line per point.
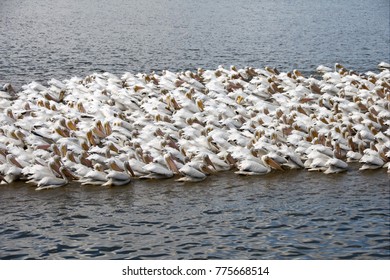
pixel 108 130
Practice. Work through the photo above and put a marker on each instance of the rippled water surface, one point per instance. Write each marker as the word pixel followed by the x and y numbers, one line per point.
pixel 287 215
pixel 294 215
pixel 44 39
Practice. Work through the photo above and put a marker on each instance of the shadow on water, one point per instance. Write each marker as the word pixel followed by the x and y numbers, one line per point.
pixel 290 215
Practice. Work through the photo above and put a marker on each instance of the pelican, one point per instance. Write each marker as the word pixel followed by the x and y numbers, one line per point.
pixel 253 166
pixel 137 166
pixel 197 169
pixel 164 167
pixel 116 178
pixel 335 166
pixel 96 176
pixel 317 160
pixel 371 160
pixel 193 173
pixel 383 65
pixel 101 129
pixel 119 177
pixel 49 182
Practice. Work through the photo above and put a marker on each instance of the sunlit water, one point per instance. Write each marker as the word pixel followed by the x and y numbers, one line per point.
pixel 297 214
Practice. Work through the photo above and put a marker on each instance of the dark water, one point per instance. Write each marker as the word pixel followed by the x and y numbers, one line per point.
pixel 290 215
pixel 44 39
pixel 294 215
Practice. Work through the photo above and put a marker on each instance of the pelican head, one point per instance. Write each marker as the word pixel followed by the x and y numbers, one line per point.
pixel 3 179
pixel 128 168
pixel 9 88
pixel 171 163
pixel 114 166
pixel 208 161
pixel 271 163
pixel 200 105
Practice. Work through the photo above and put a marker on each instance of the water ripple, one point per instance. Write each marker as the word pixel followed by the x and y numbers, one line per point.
pixel 166 222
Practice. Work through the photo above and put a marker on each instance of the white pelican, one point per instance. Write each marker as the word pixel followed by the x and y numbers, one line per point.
pixel 251 167
pixel 254 166
pixel 355 155
pixel 383 65
pixel 317 160
pixel 161 124
pixel 371 160
pixel 194 172
pixel 95 176
pixel 137 166
pixel 197 169
pixel 118 176
pixel 335 166
pixel 50 182
pixel 164 167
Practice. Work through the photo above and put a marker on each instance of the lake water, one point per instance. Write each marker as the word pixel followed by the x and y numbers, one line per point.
pixel 290 215
pixel 44 39
pixel 294 215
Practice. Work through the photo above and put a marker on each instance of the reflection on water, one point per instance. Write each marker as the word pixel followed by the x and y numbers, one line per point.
pixel 293 215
